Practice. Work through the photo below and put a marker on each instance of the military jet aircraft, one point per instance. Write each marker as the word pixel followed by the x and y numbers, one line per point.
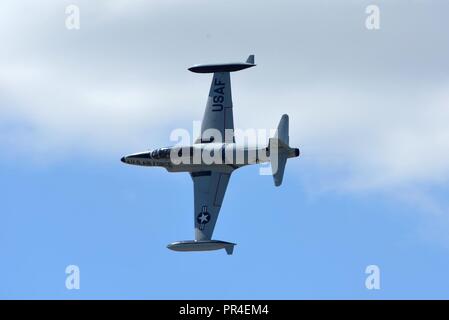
pixel 214 156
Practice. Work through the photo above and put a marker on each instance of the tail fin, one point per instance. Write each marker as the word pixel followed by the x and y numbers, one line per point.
pixel 280 151
pixel 250 59
pixel 282 131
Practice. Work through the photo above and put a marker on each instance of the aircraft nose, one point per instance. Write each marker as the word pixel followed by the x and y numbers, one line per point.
pixel 123 160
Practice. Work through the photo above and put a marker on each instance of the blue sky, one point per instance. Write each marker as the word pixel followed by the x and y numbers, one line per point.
pixel 114 221
pixel 368 109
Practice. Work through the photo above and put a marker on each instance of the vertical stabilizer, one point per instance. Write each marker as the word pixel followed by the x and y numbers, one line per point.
pixel 282 130
pixel 280 151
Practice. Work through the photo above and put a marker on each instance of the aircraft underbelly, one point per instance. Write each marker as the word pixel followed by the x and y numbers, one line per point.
pixel 225 168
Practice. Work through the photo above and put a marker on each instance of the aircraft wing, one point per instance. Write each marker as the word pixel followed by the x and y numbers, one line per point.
pixel 218 114
pixel 209 190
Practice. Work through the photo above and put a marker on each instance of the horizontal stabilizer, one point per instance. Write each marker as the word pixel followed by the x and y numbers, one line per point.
pixel 223 67
pixel 203 245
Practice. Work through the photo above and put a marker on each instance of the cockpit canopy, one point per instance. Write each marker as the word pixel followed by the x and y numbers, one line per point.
pixel 161 153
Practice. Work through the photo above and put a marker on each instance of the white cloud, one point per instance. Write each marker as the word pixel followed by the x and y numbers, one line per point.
pixel 373 105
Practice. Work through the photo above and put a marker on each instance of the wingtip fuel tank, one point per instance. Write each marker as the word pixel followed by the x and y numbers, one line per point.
pixel 202 245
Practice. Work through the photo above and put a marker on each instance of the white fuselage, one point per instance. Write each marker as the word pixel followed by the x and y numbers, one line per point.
pixel 223 157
